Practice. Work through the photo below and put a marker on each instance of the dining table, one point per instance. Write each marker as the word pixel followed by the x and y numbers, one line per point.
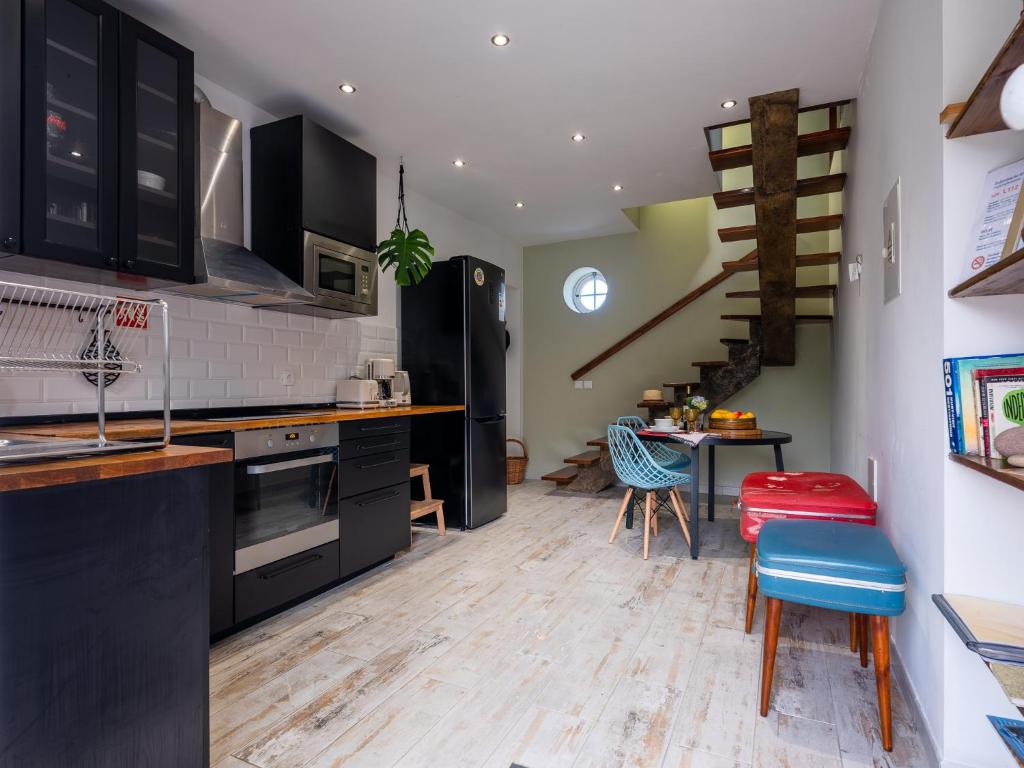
pixel 711 441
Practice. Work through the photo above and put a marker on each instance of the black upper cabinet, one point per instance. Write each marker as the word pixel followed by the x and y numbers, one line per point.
pixel 306 178
pixel 157 154
pixel 105 177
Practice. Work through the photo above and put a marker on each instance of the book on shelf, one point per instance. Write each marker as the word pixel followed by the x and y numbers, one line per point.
pixel 1011 677
pixel 962 418
pixel 996 405
pixel 1012 734
pixel 998 219
pixel 994 630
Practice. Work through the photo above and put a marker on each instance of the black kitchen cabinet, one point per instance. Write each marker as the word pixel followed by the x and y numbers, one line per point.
pixel 374 526
pixel 98 163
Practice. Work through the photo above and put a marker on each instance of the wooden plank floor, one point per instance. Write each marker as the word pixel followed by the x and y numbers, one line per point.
pixel 533 641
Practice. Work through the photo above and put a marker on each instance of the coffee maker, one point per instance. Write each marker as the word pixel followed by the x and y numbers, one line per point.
pixel 382 370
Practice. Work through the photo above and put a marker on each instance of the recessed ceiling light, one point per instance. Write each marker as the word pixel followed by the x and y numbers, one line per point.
pixel 617 188
pixel 347 88
pixel 458 162
pixel 578 137
pixel 500 40
pixel 728 103
pixel 520 204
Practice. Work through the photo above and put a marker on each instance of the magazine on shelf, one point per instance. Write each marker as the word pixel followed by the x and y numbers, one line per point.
pixel 997 212
pixel 958 382
pixel 1012 734
pixel 983 377
pixel 1005 403
pixel 992 629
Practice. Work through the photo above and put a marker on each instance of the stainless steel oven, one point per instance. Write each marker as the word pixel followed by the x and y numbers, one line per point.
pixel 342 277
pixel 286 493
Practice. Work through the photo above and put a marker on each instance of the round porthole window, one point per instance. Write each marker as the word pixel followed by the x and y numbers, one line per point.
pixel 585 290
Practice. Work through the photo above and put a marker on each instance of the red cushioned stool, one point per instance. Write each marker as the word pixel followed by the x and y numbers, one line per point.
pixel 802 496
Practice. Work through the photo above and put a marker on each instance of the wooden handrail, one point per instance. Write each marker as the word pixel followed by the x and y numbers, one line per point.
pixel 658 319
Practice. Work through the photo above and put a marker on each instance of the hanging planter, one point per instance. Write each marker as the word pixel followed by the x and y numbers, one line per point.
pixel 409 252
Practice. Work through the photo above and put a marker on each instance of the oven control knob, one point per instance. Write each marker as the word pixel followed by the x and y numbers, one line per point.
pixel 270 443
pixel 312 438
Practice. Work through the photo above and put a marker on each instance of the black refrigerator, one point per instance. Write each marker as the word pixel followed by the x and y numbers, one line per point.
pixel 453 346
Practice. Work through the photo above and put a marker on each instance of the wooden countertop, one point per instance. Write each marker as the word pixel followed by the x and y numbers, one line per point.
pixel 20 477
pixel 135 429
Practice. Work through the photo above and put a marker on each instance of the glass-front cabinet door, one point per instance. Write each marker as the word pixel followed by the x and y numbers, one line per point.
pixel 157 154
pixel 70 131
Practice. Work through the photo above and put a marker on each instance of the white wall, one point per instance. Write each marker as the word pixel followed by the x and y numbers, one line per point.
pixel 983 519
pixel 958 531
pixel 888 391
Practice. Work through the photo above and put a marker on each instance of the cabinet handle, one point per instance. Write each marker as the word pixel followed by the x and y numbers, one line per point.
pixel 393 460
pixel 378 499
pixel 378 429
pixel 392 444
pixel 290 567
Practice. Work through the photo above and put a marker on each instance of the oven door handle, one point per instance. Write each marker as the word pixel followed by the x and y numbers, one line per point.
pixel 277 466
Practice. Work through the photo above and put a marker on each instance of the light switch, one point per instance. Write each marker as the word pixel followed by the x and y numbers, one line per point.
pixel 578 384
pixel 891 244
pixel 588 384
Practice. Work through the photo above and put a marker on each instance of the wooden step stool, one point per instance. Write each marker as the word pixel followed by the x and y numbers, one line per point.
pixel 427 505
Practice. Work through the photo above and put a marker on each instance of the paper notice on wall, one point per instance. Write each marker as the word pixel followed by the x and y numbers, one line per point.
pixel 992 222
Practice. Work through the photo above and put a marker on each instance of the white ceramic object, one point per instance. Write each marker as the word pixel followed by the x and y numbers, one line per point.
pixel 665 430
pixel 651 394
pixel 152 181
pixel 664 422
pixel 1011 101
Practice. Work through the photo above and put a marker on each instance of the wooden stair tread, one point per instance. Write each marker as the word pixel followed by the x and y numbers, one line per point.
pixel 802 110
pixel 802 260
pixel 585 459
pixel 816 143
pixel 801 292
pixel 598 442
pixel 562 476
pixel 803 227
pixel 711 363
pixel 799 318
pixel 420 507
pixel 816 185
pixel 682 384
pixel 734 341
pixel 416 470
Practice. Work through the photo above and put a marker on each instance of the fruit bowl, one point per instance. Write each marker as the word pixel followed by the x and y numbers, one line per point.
pixel 734 423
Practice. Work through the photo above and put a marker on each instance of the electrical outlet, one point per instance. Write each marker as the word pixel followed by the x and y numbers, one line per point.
pixel 578 384
pixel 287 378
pixel 873 478
pixel 588 384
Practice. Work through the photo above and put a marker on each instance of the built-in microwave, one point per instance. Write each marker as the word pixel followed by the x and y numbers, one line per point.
pixel 341 276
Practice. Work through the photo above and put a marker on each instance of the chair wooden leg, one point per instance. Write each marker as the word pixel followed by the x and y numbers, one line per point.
pixel 748 623
pixel 862 638
pixel 773 616
pixel 880 649
pixel 654 516
pixel 853 633
pixel 682 505
pixel 677 505
pixel 621 515
pixel 647 522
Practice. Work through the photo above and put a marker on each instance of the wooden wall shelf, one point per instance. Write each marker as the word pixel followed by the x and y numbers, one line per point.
pixel 1004 277
pixel 993 468
pixel 980 114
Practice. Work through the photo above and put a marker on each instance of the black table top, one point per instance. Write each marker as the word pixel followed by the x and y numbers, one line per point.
pixel 767 437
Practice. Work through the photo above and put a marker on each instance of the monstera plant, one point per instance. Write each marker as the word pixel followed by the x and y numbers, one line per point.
pixel 408 251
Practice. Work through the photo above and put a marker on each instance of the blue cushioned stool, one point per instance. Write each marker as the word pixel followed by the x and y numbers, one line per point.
pixel 840 566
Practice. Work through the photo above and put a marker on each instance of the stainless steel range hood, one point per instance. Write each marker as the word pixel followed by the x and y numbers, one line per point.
pixel 225 269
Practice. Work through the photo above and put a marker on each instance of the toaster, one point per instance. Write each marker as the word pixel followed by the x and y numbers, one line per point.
pixel 360 393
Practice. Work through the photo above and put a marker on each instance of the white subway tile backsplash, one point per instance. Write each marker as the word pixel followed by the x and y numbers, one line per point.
pixel 221 354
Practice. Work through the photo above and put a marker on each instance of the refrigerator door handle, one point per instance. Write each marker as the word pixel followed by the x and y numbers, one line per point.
pixel 489 419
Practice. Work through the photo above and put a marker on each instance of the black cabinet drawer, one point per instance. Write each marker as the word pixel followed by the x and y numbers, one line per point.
pixel 368 446
pixel 368 473
pixel 272 585
pixel 374 526
pixel 370 427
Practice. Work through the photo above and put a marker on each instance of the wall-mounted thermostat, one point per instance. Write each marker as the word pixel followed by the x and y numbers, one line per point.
pixel 891 245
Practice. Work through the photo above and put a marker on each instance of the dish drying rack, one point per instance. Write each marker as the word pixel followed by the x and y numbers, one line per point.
pixel 49 329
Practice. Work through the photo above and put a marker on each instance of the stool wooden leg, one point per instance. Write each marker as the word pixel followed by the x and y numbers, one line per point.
pixel 748 623
pixel 862 638
pixel 440 521
pixel 853 633
pixel 773 616
pixel 880 649
pixel 646 522
pixel 622 514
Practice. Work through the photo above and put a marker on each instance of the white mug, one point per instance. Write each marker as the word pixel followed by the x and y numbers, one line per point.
pixel 663 422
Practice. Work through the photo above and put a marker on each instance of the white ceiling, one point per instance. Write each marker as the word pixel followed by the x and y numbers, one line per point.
pixel 640 78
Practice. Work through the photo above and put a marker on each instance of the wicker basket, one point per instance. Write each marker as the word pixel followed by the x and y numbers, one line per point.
pixel 515 466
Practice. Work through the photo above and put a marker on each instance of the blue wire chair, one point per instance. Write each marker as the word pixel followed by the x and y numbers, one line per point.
pixel 642 474
pixel 661 453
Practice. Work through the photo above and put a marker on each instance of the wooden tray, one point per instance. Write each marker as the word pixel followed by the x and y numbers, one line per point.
pixel 734 427
pixel 736 433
